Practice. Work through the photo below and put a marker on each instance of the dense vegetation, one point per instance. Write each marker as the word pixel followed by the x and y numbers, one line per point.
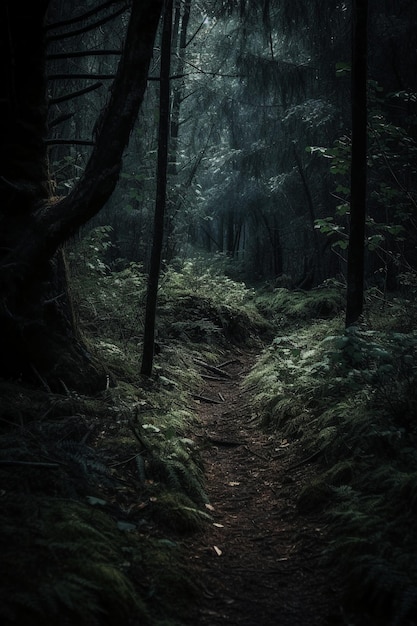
pixel 100 478
pixel 350 399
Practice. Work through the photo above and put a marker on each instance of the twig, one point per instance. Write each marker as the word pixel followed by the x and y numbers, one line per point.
pixel 221 396
pixel 260 456
pixel 230 362
pixel 306 460
pixel 205 399
pixel 42 380
pixel 125 461
pixel 29 464
pixel 225 442
pixel 212 368
pixel 215 378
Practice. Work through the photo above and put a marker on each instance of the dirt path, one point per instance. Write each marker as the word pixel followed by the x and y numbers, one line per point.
pixel 258 564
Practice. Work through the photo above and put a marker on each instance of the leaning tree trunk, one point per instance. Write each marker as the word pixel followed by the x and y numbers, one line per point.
pixel 356 252
pixel 33 226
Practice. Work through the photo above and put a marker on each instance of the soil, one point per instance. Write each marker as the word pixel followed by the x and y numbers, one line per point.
pixel 259 563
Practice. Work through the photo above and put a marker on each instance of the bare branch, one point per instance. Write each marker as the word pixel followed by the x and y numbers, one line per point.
pixel 75 94
pixel 81 76
pixel 61 118
pixel 52 222
pixel 87 28
pixel 83 16
pixel 82 53
pixel 69 142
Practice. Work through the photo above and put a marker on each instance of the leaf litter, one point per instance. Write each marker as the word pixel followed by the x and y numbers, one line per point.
pixel 259 563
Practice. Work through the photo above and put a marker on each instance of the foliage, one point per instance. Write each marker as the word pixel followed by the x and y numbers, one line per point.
pixel 77 517
pixel 120 468
pixel 200 303
pixel 350 399
pixel 71 568
pixel 109 291
pixel 284 306
pixel 391 195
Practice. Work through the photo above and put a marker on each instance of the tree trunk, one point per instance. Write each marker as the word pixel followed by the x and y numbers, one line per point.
pixel 178 89
pixel 161 188
pixel 356 253
pixel 315 269
pixel 33 226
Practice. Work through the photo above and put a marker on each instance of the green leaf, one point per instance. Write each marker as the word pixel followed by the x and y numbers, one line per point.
pixel 341 243
pixel 342 68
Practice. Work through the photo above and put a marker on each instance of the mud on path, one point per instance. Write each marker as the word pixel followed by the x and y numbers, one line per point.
pixel 258 563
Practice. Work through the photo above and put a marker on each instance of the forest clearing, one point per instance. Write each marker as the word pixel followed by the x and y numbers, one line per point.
pixel 208 313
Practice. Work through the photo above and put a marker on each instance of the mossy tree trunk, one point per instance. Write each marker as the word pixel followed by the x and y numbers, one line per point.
pixel 33 226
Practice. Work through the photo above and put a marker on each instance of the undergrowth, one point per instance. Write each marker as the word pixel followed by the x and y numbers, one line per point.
pixel 97 491
pixel 350 398
pixel 285 307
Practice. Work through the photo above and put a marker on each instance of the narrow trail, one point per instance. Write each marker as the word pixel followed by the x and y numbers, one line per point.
pixel 258 563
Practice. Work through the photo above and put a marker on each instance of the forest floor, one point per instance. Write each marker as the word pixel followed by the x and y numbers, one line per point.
pixel 259 563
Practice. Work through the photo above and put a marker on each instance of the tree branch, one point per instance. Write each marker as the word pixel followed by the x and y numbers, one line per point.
pixel 69 142
pixel 81 76
pixel 83 16
pixel 82 53
pixel 86 29
pixel 61 118
pixel 51 223
pixel 75 94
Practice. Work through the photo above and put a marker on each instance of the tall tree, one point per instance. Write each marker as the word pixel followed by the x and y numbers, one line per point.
pixel 32 225
pixel 356 251
pixel 161 193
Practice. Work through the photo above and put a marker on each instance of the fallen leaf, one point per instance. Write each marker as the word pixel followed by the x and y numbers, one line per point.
pixel 217 551
pixel 218 525
pixel 209 507
pixel 233 483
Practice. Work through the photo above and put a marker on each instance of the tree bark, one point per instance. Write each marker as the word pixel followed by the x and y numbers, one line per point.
pixel 161 193
pixel 51 223
pixel 356 251
pixel 32 226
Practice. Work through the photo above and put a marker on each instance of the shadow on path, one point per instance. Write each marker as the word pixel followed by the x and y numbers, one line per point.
pixel 259 562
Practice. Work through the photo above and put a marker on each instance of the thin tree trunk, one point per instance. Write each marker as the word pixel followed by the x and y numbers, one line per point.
pixel 161 194
pixel 178 47
pixel 316 269
pixel 178 91
pixel 356 252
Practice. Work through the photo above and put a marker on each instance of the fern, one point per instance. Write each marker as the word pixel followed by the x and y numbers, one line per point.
pixel 79 550
pixel 352 395
pixel 176 511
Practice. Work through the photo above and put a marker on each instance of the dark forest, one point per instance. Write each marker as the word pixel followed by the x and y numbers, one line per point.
pixel 208 300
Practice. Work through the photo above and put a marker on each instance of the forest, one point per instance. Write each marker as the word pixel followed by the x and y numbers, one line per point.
pixel 208 312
